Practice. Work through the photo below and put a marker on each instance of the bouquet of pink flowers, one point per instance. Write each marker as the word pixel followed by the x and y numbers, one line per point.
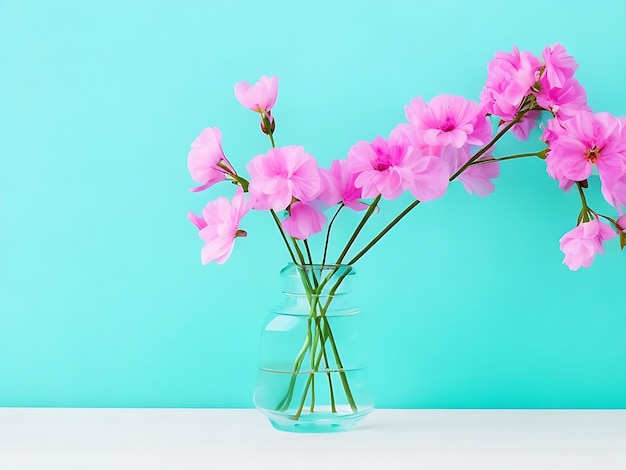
pixel 445 139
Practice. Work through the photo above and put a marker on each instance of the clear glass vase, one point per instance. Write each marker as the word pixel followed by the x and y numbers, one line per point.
pixel 313 366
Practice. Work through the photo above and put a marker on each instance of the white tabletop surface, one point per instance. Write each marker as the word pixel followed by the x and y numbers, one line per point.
pixel 73 438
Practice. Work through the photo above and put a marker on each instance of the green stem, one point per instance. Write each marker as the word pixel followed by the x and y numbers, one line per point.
pixel 330 225
pixel 307 385
pixel 384 231
pixel 282 234
pixel 268 126
pixel 272 139
pixel 581 192
pixel 313 301
pixel 333 344
pixel 541 154
pixel 325 335
pixel 308 251
pixel 328 335
pixel 310 379
pixel 342 373
pixel 584 212
pixel 312 357
pixel 368 214
pixel 284 404
pixel 333 406
pixel 306 389
pixel 299 252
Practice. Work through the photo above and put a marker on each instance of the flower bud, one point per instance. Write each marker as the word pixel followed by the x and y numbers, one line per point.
pixel 267 122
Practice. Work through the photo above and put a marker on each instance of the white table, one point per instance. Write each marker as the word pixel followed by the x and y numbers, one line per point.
pixel 49 438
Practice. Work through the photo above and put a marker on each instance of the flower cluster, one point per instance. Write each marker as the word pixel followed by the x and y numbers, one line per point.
pixel 444 139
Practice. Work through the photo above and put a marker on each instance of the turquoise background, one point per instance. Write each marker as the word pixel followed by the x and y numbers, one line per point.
pixel 103 299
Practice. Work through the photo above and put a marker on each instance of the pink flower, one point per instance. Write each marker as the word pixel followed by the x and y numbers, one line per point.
pixel 303 221
pixel 560 66
pixel 581 244
pixel 510 78
pixel 622 223
pixel 221 219
pixel 563 102
pixel 430 176
pixel 476 179
pixel 448 120
pixel 206 161
pixel 551 130
pixel 556 90
pixel 614 189
pixel 523 128
pixel 260 97
pixel 339 186
pixel 586 140
pixel 390 167
pixel 281 175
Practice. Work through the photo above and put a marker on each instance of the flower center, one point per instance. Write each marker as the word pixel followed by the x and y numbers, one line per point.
pixel 448 125
pixel 592 154
pixel 381 165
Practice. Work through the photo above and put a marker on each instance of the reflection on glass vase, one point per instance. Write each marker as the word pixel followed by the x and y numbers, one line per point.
pixel 313 366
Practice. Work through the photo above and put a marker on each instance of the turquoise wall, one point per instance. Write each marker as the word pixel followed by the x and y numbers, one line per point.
pixel 103 299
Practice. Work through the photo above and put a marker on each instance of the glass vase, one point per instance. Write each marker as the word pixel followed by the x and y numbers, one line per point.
pixel 313 363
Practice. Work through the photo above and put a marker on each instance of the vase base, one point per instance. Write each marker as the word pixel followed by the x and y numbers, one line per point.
pixel 321 421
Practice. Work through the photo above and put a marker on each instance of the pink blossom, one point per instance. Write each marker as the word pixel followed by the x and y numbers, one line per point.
pixel 281 175
pixel 559 66
pixel 523 128
pixel 557 90
pixel 379 168
pixel 449 120
pixel 303 221
pixel 206 161
pixel 430 176
pixel 260 97
pixel 510 78
pixel 222 219
pixel 622 223
pixel 339 186
pixel 614 189
pixel 390 167
pixel 563 102
pixel 476 179
pixel 406 135
pixel 582 243
pixel 552 130
pixel 586 140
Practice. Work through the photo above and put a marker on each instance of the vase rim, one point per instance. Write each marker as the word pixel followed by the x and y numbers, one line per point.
pixel 342 268
pixel 321 265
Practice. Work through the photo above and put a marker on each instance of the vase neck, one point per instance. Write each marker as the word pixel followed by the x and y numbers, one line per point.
pixel 317 279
